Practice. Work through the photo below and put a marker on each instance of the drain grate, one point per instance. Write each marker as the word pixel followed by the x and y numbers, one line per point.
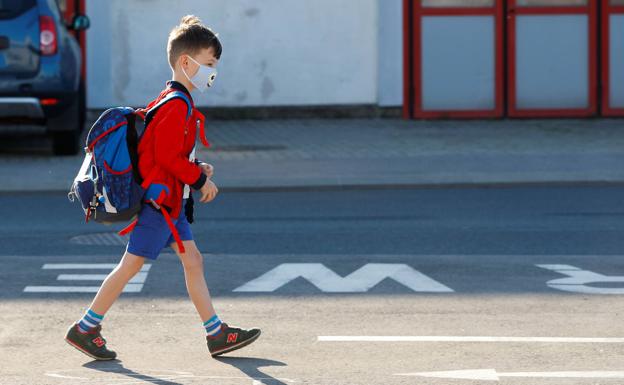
pixel 100 239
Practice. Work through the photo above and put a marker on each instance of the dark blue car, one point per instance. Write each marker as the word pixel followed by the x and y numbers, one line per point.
pixel 40 71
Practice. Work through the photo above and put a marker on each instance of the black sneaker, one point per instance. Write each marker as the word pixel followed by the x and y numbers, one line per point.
pixel 90 343
pixel 231 338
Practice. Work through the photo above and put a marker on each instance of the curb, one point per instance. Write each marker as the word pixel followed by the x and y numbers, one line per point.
pixel 380 186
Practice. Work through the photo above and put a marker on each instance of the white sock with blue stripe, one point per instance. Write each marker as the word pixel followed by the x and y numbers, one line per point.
pixel 89 320
pixel 213 326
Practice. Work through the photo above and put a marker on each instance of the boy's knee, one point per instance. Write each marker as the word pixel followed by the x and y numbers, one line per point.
pixel 132 265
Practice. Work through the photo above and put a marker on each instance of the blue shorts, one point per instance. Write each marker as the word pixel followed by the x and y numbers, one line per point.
pixel 152 234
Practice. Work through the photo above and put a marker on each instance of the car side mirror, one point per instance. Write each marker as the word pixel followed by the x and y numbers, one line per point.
pixel 80 23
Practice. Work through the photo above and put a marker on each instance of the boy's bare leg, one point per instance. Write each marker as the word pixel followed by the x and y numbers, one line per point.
pixel 193 263
pixel 220 339
pixel 85 335
pixel 115 282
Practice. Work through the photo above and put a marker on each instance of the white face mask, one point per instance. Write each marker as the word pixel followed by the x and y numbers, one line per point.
pixel 204 77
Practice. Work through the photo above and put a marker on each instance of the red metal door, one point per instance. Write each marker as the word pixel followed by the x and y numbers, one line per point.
pixel 611 10
pixel 453 12
pixel 70 8
pixel 551 13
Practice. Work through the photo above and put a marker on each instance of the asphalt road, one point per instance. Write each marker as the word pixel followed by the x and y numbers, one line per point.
pixel 432 266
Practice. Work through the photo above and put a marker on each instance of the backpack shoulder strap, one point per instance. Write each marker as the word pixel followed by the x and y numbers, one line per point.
pixel 150 115
pixel 169 97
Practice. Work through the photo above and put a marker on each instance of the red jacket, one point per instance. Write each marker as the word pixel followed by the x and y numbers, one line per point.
pixel 167 144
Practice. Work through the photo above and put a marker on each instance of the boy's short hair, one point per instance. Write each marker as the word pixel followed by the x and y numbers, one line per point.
pixel 189 37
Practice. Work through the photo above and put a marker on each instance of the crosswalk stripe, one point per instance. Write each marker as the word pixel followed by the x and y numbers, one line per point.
pixel 130 288
pixel 71 266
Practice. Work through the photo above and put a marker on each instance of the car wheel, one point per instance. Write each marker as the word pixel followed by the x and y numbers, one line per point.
pixel 65 143
pixel 66 130
pixel 82 94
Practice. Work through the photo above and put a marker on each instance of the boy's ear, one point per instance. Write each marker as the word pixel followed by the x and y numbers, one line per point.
pixel 183 62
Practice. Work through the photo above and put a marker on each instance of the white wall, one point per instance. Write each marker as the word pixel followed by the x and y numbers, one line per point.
pixel 390 52
pixel 276 52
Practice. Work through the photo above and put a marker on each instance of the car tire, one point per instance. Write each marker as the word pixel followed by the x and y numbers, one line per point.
pixel 82 95
pixel 66 129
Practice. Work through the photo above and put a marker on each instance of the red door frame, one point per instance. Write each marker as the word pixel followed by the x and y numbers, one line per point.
pixel 407 60
pixel 607 10
pixel 412 105
pixel 75 7
pixel 591 11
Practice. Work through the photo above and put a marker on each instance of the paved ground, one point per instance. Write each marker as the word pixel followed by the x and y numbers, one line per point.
pixel 251 155
pixel 444 262
pixel 373 254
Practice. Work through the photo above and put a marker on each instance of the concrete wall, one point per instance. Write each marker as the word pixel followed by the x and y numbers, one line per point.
pixel 390 51
pixel 276 52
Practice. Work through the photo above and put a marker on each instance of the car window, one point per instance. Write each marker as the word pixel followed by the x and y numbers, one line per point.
pixel 13 8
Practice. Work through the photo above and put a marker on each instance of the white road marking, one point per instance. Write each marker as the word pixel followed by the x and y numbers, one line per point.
pixel 83 266
pixel 359 281
pixel 243 380
pixel 493 375
pixel 135 285
pixel 140 277
pixel 559 267
pixel 160 375
pixel 130 288
pixel 119 376
pixel 56 375
pixel 604 340
pixel 578 279
pixel 81 277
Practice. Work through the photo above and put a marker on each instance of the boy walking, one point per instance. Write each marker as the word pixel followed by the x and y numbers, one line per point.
pixel 166 154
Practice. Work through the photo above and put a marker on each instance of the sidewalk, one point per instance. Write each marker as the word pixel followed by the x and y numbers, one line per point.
pixel 343 153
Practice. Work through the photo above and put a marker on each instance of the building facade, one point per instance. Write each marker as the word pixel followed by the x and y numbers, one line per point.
pixel 276 52
pixel 513 58
pixel 431 58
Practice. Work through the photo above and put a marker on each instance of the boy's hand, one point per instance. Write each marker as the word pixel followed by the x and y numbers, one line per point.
pixel 207 169
pixel 208 191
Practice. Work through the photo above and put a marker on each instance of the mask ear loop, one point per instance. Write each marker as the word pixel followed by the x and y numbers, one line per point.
pixel 185 74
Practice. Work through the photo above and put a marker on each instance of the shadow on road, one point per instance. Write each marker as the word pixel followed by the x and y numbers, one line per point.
pixel 117 367
pixel 251 367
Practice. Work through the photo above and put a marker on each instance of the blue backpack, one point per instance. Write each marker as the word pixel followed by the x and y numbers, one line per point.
pixel 108 185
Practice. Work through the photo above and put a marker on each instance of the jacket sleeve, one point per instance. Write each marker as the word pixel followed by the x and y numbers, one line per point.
pixel 169 126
